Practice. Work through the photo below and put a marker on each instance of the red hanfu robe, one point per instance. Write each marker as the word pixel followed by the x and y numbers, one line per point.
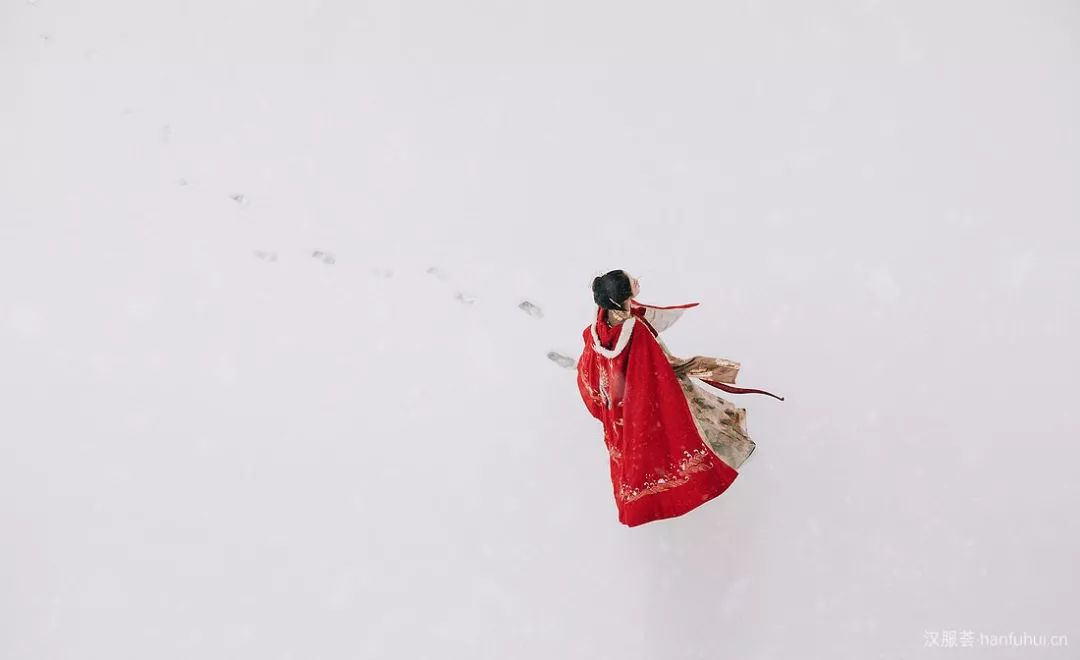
pixel 660 465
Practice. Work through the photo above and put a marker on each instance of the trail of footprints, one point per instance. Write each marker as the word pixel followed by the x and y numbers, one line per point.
pixel 166 135
pixel 527 306
pixel 243 201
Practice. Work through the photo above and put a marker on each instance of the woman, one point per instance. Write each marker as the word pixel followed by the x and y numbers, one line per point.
pixel 673 445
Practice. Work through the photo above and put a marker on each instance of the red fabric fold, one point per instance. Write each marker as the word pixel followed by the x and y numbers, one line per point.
pixel 660 466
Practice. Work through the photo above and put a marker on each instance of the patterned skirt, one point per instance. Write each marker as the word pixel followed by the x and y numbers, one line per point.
pixel 722 424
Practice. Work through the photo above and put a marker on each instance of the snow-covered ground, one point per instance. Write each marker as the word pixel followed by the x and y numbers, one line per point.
pixel 267 392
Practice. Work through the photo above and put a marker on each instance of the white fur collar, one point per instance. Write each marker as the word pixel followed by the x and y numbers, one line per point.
pixel 625 331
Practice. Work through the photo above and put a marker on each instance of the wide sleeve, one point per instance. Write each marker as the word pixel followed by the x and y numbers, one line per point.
pixel 661 318
pixel 588 382
pixel 721 370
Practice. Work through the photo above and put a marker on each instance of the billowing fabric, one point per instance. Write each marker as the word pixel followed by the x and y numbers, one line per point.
pixel 720 423
pixel 673 444
pixel 661 466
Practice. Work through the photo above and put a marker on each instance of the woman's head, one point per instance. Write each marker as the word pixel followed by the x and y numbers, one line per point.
pixel 613 289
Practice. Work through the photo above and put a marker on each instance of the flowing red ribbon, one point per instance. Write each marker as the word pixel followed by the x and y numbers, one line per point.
pixel 739 390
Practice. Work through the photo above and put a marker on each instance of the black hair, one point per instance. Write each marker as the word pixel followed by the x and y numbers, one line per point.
pixel 611 289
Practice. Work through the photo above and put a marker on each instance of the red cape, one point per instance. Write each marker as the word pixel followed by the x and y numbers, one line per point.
pixel 660 466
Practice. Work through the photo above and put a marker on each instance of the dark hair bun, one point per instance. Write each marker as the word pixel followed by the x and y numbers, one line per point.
pixel 611 289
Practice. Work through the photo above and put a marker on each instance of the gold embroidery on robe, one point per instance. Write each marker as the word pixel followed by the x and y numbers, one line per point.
pixel 605 395
pixel 720 423
pixel 673 477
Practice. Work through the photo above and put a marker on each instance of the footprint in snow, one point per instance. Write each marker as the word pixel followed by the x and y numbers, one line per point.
pixel 531 309
pixel 460 296
pixel 325 257
pixel 562 360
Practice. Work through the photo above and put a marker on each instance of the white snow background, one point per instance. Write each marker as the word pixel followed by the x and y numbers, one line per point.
pixel 240 417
